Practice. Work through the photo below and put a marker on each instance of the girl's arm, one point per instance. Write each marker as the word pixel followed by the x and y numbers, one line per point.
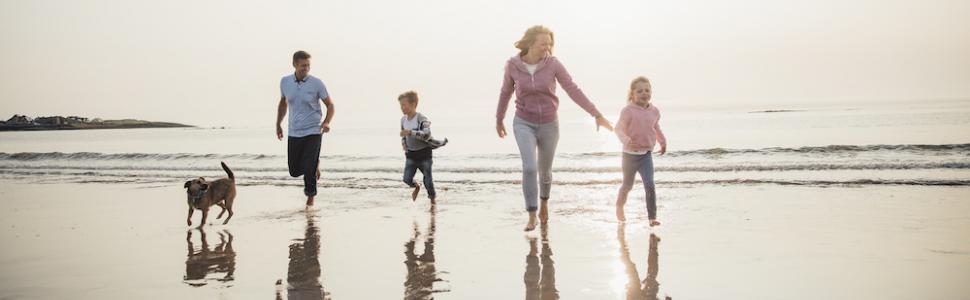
pixel 621 126
pixel 661 139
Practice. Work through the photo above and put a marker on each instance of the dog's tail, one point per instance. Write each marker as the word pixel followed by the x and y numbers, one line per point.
pixel 228 171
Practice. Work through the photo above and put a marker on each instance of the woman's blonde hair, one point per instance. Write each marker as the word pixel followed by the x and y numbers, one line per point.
pixel 530 36
pixel 633 83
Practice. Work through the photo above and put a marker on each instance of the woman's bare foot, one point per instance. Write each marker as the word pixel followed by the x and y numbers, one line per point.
pixel 620 215
pixel 309 201
pixel 532 222
pixel 414 194
pixel 654 223
pixel 544 211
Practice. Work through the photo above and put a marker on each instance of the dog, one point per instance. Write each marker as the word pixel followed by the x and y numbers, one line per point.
pixel 203 194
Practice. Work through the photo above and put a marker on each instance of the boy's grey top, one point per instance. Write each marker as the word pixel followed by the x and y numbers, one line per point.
pixel 420 132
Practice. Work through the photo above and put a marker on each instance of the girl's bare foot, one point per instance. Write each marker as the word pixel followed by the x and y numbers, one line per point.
pixel 532 222
pixel 620 216
pixel 654 223
pixel 414 194
pixel 544 211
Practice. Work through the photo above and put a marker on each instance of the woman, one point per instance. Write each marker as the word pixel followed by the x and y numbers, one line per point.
pixel 532 75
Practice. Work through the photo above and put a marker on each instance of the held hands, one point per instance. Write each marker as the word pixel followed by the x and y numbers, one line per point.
pixel 601 121
pixel 500 129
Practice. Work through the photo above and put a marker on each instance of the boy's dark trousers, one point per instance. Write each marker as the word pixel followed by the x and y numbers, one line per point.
pixel 416 162
pixel 303 157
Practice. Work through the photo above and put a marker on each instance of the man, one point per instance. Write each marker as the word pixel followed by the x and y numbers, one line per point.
pixel 301 94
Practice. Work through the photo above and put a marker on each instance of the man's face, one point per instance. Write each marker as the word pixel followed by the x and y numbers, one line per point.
pixel 302 67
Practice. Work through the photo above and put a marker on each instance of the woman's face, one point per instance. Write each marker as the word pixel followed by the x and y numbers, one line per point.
pixel 542 47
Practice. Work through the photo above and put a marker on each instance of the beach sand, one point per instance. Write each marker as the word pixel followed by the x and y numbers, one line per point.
pixel 129 241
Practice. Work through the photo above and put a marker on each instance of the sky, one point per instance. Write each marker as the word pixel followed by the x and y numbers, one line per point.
pixel 218 63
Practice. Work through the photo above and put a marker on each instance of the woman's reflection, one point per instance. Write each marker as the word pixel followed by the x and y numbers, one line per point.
pixel 200 263
pixel 649 288
pixel 540 271
pixel 422 274
pixel 303 274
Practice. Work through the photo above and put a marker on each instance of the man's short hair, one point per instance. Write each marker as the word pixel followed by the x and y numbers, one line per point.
pixel 300 55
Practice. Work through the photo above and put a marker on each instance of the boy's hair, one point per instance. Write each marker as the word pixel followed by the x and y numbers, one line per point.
pixel 529 38
pixel 298 55
pixel 410 96
pixel 639 79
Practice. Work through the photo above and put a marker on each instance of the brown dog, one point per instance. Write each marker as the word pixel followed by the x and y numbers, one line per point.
pixel 203 194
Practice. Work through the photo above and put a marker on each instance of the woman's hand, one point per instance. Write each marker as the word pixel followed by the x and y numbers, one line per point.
pixel 601 121
pixel 500 129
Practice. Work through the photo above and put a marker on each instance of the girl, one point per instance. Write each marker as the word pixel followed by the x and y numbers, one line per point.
pixel 639 130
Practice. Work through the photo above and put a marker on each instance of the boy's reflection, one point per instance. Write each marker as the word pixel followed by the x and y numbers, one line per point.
pixel 540 272
pixel 649 288
pixel 303 274
pixel 204 261
pixel 422 274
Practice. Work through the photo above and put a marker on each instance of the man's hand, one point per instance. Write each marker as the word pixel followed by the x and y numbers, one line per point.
pixel 324 127
pixel 279 132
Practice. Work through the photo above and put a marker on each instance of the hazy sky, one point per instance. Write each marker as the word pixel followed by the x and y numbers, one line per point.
pixel 216 63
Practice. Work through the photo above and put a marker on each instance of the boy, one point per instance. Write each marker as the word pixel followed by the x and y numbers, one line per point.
pixel 417 143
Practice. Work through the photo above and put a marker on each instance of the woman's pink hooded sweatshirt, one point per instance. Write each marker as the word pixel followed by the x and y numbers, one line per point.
pixel 535 95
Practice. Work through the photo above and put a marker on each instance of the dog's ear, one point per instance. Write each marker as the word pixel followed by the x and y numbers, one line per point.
pixel 188 183
pixel 205 186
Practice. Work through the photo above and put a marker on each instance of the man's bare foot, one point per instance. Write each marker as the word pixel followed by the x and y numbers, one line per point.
pixel 654 223
pixel 309 201
pixel 544 211
pixel 414 194
pixel 620 215
pixel 434 201
pixel 532 222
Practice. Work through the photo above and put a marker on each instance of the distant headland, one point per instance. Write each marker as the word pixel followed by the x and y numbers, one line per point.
pixel 22 122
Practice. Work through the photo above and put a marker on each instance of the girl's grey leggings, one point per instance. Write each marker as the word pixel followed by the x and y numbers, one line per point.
pixel 537 147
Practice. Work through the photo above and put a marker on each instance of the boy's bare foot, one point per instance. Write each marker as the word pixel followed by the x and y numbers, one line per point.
pixel 544 211
pixel 309 201
pixel 620 215
pixel 654 223
pixel 414 194
pixel 532 222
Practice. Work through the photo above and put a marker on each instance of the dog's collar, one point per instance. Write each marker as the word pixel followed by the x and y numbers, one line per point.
pixel 197 196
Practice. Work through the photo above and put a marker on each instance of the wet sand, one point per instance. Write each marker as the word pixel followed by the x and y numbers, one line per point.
pixel 112 241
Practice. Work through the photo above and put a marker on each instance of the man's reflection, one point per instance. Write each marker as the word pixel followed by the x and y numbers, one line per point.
pixel 303 274
pixel 200 263
pixel 649 288
pixel 540 271
pixel 422 273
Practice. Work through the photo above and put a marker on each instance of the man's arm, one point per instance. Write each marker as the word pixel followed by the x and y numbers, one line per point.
pixel 325 127
pixel 280 113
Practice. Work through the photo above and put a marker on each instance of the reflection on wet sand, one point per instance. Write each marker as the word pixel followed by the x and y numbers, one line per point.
pixel 649 288
pixel 202 262
pixel 422 274
pixel 303 274
pixel 540 271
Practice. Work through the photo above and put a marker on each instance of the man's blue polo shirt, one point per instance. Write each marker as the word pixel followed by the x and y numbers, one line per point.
pixel 303 104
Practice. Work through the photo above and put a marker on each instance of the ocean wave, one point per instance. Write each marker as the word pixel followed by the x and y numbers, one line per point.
pixel 929 149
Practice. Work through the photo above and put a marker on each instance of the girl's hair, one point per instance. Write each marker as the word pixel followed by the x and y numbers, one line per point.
pixel 530 36
pixel 634 83
pixel 410 96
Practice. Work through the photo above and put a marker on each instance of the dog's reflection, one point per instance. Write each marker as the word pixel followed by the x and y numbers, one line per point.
pixel 649 288
pixel 303 273
pixel 540 270
pixel 422 274
pixel 205 264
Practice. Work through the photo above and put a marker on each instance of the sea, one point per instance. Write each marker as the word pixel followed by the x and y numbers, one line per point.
pixel 914 143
